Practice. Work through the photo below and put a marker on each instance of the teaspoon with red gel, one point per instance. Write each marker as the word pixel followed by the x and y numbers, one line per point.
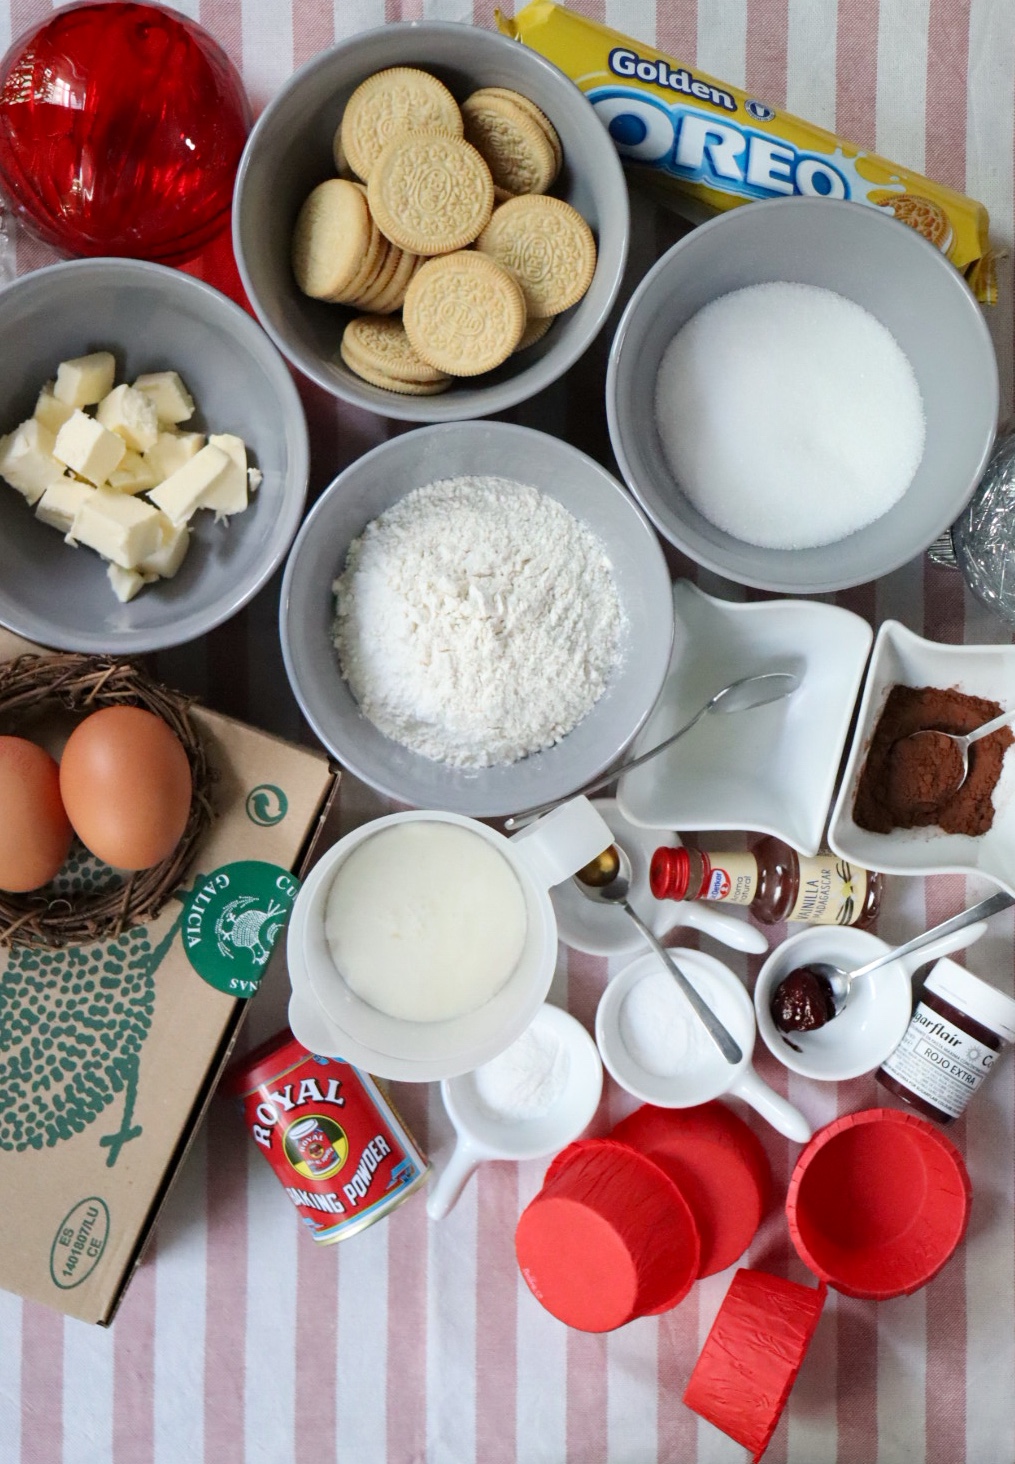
pixel 803 1001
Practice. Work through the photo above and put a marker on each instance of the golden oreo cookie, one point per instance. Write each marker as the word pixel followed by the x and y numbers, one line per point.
pixel 463 313
pixel 921 214
pixel 342 167
pixel 430 192
pixel 382 347
pixel 390 383
pixel 373 259
pixel 377 286
pixel 538 116
pixel 393 297
pixel 331 239
pixel 547 246
pixel 534 331
pixel 515 146
pixel 390 102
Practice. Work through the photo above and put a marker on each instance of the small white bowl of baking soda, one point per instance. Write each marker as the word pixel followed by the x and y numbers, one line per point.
pixel 531 1101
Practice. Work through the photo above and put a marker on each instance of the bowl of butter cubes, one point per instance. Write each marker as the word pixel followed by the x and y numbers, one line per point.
pixel 153 457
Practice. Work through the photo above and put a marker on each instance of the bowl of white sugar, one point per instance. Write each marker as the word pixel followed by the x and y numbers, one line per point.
pixel 476 617
pixel 802 394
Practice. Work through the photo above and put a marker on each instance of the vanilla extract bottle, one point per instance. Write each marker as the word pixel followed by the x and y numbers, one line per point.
pixel 773 881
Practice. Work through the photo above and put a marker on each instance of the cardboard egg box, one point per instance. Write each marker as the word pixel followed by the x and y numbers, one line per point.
pixel 110 1052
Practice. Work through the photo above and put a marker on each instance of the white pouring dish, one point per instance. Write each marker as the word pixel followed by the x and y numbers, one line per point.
pixel 707 1074
pixel 873 1021
pixel 541 855
pixel 772 769
pixel 604 930
pixel 482 1135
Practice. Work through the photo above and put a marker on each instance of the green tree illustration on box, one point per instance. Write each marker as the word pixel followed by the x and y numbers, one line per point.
pixel 72 1023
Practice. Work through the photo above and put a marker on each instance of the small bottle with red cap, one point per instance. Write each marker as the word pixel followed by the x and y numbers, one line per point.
pixel 773 881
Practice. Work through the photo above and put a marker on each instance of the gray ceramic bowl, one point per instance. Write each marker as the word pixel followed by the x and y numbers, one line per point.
pixel 892 272
pixel 151 318
pixel 382 477
pixel 289 153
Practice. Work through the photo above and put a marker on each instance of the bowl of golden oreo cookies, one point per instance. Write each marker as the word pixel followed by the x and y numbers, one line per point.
pixel 430 221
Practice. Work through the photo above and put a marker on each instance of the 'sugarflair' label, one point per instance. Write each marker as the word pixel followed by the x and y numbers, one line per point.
pixel 939 1062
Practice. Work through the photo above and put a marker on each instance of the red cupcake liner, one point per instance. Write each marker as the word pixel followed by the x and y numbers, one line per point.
pixel 608 1238
pixel 878 1202
pixel 719 1166
pixel 752 1356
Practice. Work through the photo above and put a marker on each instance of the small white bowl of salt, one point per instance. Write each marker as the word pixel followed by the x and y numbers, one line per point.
pixel 656 1048
pixel 531 1101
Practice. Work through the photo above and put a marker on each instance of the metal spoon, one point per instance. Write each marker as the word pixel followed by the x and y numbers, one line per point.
pixel 739 696
pixel 615 893
pixel 840 981
pixel 963 742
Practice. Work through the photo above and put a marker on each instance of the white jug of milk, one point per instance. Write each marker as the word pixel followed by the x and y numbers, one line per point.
pixel 477 913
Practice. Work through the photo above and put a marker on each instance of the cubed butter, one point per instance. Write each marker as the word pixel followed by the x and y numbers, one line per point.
pixel 131 415
pixel 171 552
pixel 59 505
pixel 173 401
pixel 183 491
pixel 228 494
pixel 85 380
pixel 123 529
pixel 172 450
pixel 126 582
pixel 50 412
pixel 27 461
pixel 89 448
pixel 134 475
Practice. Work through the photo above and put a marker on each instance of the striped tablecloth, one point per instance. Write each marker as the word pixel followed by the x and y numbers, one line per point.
pixel 238 1340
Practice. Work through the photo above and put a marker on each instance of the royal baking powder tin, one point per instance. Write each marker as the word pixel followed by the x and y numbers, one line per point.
pixel 341 1152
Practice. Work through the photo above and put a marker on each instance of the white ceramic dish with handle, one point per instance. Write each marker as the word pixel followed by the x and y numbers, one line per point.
pixel 707 1074
pixel 872 1023
pixel 604 930
pixel 904 658
pixel 541 855
pixel 482 1134
pixel 771 770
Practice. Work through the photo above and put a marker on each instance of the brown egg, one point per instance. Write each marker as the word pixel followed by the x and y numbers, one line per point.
pixel 35 833
pixel 126 786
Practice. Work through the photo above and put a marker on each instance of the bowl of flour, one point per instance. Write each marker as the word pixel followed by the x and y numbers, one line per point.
pixel 802 395
pixel 476 617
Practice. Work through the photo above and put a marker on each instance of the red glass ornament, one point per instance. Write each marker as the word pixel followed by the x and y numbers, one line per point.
pixel 121 127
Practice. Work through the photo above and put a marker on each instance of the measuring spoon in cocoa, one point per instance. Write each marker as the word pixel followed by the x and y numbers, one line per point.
pixel 939 761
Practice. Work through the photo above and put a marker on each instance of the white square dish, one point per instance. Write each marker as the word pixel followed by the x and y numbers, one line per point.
pixel 901 657
pixel 771 769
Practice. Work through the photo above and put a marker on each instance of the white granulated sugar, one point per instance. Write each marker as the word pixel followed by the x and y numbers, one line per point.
pixel 789 415
pixel 477 621
pixel 658 1028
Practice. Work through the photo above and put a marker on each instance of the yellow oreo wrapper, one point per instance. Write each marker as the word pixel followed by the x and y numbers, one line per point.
pixel 720 147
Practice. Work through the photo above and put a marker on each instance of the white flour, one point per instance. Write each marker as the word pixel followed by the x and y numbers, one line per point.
pixel 477 621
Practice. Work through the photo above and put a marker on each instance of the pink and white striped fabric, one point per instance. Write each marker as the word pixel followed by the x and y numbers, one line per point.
pixel 239 1342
